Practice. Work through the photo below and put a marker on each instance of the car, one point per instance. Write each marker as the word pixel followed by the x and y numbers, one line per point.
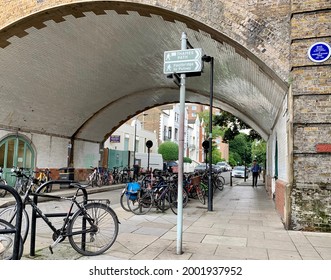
pixel 228 167
pixel 203 167
pixel 222 165
pixel 239 172
pixel 171 166
pixel 217 168
pixel 200 168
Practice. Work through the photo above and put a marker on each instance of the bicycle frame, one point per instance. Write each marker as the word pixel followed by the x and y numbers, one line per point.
pixel 36 213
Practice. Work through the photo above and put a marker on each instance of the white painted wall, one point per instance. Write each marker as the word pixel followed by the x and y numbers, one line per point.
pixel 86 154
pixel 50 151
pixel 279 133
pixel 127 130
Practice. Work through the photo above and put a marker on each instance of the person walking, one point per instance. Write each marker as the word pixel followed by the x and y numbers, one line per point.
pixel 256 172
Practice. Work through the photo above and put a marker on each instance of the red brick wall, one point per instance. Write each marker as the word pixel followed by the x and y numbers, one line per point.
pixel 280 193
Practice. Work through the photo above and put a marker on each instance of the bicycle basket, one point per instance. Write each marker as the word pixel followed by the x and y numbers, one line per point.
pixel 195 180
pixel 132 190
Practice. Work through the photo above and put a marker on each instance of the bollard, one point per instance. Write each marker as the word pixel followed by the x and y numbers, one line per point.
pixel 230 178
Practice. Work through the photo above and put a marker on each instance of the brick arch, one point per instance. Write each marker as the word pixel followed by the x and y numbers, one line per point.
pixel 260 28
pixel 240 71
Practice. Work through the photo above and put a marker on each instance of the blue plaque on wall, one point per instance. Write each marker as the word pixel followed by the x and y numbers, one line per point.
pixel 319 52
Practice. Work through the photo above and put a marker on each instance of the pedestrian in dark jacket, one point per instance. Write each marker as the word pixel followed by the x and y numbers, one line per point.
pixel 256 169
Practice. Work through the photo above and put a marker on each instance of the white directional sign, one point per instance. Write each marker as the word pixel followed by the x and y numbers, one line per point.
pixel 182 61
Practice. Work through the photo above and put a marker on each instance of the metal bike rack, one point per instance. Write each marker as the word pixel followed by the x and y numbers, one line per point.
pixel 35 215
pixel 18 225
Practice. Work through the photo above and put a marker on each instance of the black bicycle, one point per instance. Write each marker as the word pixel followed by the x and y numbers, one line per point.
pixel 91 229
pixel 3 192
pixel 155 191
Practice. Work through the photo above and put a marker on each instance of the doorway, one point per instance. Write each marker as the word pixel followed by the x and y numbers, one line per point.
pixel 15 151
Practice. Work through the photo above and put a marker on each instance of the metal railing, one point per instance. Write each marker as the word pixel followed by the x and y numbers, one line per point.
pixel 17 227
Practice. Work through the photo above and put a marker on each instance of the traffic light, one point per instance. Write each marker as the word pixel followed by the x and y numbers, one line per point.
pixel 205 145
pixel 149 144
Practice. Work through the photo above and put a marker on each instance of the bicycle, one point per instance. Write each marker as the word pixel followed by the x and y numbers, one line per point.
pixel 194 188
pixel 7 237
pixel 21 179
pixel 91 229
pixel 160 193
pixel 106 177
pixel 3 192
pixel 94 179
pixel 43 177
pixel 125 175
pixel 116 175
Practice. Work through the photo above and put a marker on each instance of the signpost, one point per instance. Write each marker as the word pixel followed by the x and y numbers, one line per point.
pixel 182 61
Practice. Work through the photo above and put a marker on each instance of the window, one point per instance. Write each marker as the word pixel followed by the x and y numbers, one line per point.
pixel 176 133
pixel 276 160
pixel 194 114
pixel 176 117
pixel 15 151
pixel 126 144
pixel 193 107
pixel 169 132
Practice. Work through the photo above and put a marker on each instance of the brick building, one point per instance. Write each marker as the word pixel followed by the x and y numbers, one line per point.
pixel 74 71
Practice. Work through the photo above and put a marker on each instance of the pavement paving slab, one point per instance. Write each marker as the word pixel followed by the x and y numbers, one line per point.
pixel 243 225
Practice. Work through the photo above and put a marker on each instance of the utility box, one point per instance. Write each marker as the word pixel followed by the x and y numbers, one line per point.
pixel 66 173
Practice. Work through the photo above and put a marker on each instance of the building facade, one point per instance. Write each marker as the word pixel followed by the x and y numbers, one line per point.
pixel 75 71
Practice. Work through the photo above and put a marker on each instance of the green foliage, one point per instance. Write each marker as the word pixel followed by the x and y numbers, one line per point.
pixel 259 149
pixel 231 126
pixel 169 151
pixel 217 156
pixel 187 160
pixel 240 149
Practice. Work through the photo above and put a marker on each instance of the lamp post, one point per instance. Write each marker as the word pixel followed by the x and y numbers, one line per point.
pixel 210 59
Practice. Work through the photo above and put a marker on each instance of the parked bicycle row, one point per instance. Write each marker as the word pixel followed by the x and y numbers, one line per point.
pixel 159 190
pixel 117 175
pixel 91 225
pixel 25 177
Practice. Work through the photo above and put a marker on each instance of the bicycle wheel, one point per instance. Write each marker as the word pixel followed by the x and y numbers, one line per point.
pixel 9 215
pixel 173 199
pixel 200 194
pixel 222 179
pixel 7 240
pixel 3 192
pixel 143 204
pixel 124 201
pixel 220 182
pixel 204 188
pixel 162 199
pixel 93 230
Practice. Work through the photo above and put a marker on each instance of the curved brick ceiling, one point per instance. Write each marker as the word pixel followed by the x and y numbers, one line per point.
pixel 81 73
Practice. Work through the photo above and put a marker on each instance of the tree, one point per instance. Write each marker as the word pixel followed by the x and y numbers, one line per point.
pixel 259 149
pixel 169 151
pixel 216 156
pixel 187 160
pixel 240 149
pixel 232 126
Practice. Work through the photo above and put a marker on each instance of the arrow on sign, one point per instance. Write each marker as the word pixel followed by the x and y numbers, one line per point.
pixel 182 61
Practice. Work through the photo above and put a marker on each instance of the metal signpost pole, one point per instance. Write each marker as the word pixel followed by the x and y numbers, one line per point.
pixel 181 155
pixel 210 187
pixel 176 62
